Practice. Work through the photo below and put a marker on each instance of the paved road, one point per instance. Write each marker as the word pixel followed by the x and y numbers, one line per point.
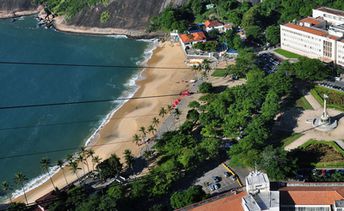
pixel 171 123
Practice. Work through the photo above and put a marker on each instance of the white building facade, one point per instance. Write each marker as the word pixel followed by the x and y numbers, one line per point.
pixel 315 37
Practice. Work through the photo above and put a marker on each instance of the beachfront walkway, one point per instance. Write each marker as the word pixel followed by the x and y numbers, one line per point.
pixel 301 122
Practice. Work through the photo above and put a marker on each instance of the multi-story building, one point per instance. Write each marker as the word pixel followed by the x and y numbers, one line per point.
pixel 320 36
pixel 292 196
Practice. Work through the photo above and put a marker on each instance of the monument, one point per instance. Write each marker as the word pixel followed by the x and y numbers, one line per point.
pixel 325 122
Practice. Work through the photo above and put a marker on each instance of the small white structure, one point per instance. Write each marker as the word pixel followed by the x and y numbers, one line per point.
pixel 259 197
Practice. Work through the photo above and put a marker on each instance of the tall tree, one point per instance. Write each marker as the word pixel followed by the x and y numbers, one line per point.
pixel 151 129
pixel 85 154
pixel 60 163
pixel 129 159
pixel 95 161
pixel 143 131
pixel 6 189
pixel 81 159
pixel 20 179
pixel 73 166
pixel 136 138
pixel 155 121
pixel 162 112
pixel 45 163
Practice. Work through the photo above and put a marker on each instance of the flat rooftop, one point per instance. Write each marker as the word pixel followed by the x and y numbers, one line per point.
pixel 311 30
pixel 331 11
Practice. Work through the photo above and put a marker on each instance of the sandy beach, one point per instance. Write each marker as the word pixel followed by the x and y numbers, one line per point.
pixel 118 132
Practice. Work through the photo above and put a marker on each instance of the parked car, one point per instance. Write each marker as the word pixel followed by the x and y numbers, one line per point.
pixel 214 186
pixel 227 174
pixel 216 179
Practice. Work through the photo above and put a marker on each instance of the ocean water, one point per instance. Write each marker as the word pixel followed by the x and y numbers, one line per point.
pixel 27 132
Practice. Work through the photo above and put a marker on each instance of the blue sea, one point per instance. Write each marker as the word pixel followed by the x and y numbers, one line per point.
pixel 26 133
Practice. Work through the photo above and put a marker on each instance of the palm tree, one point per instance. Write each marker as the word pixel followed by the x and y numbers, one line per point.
pixel 89 154
pixel 155 121
pixel 6 189
pixel 70 158
pixel 45 163
pixel 60 164
pixel 129 159
pixel 143 131
pixel 74 167
pixel 19 179
pixel 136 138
pixel 151 129
pixel 162 112
pixel 169 108
pixel 81 159
pixel 84 153
pixel 95 161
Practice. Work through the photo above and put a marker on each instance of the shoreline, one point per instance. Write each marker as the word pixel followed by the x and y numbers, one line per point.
pixel 117 134
pixel 131 90
pixel 4 14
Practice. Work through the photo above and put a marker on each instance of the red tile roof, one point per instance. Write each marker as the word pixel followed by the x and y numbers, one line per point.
pixel 214 23
pixel 196 36
pixel 306 29
pixel 229 203
pixel 311 195
pixel 310 20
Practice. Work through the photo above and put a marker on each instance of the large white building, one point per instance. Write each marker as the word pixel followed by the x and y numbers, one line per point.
pixel 320 36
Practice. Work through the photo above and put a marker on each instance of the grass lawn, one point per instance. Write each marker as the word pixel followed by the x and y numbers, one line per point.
pixel 288 54
pixel 219 73
pixel 291 139
pixel 303 103
pixel 336 98
pixel 321 154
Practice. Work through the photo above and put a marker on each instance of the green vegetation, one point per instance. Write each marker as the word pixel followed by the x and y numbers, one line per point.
pixel 303 103
pixel 288 54
pixel 219 73
pixel 320 154
pixel 104 17
pixel 261 21
pixel 205 87
pixel 291 139
pixel 186 197
pixel 336 98
pixel 70 8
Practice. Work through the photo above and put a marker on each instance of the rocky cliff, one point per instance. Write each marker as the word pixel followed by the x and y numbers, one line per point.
pixel 16 5
pixel 122 14
pixel 125 14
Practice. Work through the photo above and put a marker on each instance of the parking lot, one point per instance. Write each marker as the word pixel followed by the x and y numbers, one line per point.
pixel 268 62
pixel 336 85
pixel 223 182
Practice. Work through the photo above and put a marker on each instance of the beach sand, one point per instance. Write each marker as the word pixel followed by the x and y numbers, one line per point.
pixel 117 133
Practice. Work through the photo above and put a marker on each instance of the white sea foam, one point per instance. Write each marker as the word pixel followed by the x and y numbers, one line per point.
pixel 117 36
pixel 128 93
